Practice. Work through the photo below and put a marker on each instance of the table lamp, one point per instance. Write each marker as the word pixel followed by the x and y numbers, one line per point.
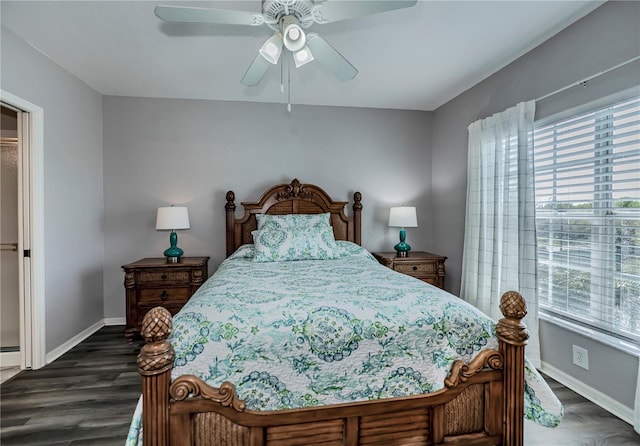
pixel 403 217
pixel 172 218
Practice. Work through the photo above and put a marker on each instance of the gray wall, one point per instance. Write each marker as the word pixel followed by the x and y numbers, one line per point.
pixel 601 375
pixel 73 186
pixel 189 152
pixel 603 39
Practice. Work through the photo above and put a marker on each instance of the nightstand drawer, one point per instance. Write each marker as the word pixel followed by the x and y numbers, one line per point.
pixel 422 265
pixel 159 277
pixel 159 295
pixel 415 269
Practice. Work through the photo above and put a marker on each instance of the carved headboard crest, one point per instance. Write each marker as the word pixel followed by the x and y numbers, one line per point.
pixel 294 190
pixel 292 198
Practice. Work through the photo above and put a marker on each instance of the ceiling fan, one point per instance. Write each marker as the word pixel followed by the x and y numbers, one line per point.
pixel 289 19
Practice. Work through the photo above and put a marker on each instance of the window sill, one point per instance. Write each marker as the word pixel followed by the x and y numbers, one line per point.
pixel 612 341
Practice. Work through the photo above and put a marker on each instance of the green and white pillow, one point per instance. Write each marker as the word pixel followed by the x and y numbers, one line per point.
pixel 297 221
pixel 274 244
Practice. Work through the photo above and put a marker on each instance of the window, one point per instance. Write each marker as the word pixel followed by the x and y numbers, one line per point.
pixel 587 185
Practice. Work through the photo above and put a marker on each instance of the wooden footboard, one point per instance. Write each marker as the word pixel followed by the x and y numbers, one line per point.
pixel 482 402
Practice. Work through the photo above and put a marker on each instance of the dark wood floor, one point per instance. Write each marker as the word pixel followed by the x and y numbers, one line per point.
pixel 88 395
pixel 85 397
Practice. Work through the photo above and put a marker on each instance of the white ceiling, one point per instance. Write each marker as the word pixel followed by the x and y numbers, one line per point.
pixel 417 58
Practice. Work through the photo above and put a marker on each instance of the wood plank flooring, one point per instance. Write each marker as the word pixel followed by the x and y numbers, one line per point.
pixel 584 424
pixel 87 397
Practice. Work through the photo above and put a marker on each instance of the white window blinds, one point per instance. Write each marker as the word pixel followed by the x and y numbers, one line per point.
pixel 587 184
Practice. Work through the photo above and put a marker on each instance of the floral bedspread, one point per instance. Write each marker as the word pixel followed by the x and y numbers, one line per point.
pixel 317 332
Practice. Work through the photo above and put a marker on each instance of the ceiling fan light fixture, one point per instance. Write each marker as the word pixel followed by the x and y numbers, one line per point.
pixel 293 36
pixel 272 48
pixel 302 56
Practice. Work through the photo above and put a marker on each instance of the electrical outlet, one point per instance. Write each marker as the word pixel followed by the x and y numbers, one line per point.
pixel 581 357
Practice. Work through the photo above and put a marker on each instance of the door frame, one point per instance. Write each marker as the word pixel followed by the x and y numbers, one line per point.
pixel 32 299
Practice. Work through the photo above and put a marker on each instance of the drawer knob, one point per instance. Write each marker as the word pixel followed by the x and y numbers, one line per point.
pixel 164 277
pixel 164 295
pixel 415 268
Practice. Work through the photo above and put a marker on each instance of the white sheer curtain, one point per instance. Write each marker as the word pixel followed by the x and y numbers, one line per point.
pixel 500 251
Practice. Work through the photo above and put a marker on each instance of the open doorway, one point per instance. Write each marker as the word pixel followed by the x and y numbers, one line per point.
pixel 9 235
pixel 25 148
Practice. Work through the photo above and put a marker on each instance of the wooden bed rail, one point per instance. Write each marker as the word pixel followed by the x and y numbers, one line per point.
pixel 503 395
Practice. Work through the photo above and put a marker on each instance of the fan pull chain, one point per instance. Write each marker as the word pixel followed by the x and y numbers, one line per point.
pixel 282 74
pixel 289 84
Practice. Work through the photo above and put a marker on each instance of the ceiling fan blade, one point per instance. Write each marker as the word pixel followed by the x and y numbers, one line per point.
pixel 334 11
pixel 182 14
pixel 256 71
pixel 330 58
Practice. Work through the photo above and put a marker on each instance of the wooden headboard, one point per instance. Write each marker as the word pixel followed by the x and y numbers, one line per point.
pixel 294 198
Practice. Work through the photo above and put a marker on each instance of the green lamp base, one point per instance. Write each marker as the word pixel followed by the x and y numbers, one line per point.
pixel 173 253
pixel 402 248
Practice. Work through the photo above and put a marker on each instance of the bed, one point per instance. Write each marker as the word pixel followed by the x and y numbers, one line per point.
pixel 330 351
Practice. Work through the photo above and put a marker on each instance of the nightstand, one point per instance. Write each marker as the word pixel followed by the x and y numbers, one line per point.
pixel 153 282
pixel 419 264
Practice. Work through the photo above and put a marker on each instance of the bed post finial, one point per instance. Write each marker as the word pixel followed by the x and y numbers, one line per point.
pixel 357 217
pixel 357 198
pixel 512 338
pixel 510 329
pixel 231 196
pixel 230 208
pixel 155 362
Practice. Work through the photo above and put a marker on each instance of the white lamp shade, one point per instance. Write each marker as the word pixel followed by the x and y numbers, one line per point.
pixel 293 36
pixel 302 56
pixel 173 217
pixel 403 217
pixel 272 48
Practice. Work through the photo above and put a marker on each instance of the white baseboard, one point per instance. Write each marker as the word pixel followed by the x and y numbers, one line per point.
pixel 606 402
pixel 9 359
pixel 62 349
pixel 115 321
